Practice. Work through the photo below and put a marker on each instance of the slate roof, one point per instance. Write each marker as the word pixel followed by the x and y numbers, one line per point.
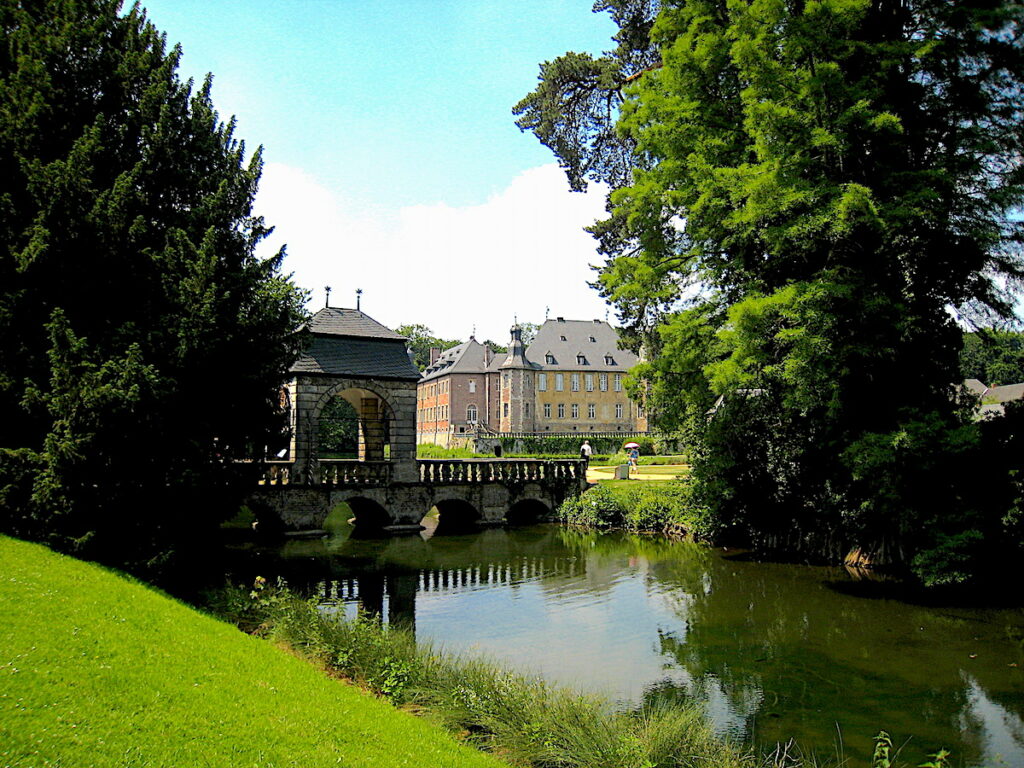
pixel 338 321
pixel 565 340
pixel 346 342
pixel 467 357
pixel 1003 394
pixel 974 386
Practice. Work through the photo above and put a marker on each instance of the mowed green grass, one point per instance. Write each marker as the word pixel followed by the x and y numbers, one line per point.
pixel 647 473
pixel 98 670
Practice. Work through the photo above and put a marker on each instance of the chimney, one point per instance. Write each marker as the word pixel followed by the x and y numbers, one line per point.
pixel 435 352
pixel 487 355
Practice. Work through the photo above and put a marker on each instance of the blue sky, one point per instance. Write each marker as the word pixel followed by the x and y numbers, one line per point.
pixel 392 160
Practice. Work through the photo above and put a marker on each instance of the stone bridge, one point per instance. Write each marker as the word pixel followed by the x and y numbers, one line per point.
pixel 351 356
pixel 465 492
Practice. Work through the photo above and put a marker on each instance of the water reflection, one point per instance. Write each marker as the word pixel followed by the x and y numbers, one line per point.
pixel 773 651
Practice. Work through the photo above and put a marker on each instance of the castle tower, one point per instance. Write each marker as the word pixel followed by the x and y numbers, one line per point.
pixel 517 400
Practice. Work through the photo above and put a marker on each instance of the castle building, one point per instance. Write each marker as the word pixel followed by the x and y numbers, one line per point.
pixel 569 380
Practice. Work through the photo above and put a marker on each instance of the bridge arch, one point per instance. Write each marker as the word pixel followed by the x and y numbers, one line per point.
pixel 456 515
pixel 368 516
pixel 527 511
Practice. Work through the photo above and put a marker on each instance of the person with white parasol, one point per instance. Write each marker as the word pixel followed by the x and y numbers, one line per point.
pixel 633 453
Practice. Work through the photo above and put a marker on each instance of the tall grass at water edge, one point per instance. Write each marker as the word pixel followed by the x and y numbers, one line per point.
pixel 519 718
pixel 640 507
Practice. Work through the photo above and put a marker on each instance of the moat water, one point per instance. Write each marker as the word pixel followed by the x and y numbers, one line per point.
pixel 773 651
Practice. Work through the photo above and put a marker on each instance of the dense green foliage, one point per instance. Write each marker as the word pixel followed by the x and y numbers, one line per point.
pixel 99 670
pixel 523 719
pixel 993 357
pixel 142 341
pixel 339 430
pixel 421 341
pixel 640 507
pixel 569 445
pixel 801 192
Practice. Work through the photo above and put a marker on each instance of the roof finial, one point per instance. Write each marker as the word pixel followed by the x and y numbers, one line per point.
pixel 546 310
pixel 473 335
pixel 327 301
pixel 359 293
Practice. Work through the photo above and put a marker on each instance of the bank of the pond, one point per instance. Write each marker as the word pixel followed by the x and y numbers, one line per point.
pixel 99 670
pixel 522 718
pixel 639 506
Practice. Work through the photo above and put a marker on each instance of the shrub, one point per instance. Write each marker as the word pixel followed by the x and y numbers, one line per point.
pixel 596 508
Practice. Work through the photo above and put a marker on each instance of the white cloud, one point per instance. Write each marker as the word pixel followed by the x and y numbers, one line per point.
pixel 448 268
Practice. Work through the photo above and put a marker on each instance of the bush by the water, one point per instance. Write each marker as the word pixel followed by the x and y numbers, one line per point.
pixel 639 507
pixel 523 719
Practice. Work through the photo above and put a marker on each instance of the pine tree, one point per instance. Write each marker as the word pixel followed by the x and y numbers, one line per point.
pixel 142 341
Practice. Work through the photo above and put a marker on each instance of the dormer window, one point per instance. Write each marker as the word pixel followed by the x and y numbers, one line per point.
pixel 549 359
pixel 609 360
pixel 593 340
pixel 581 360
pixel 562 338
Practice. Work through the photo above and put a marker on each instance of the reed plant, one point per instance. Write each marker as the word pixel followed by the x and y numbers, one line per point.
pixel 522 719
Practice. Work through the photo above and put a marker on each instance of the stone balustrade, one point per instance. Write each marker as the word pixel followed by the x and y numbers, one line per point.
pixel 348 472
pixel 354 472
pixel 468 471
pixel 275 473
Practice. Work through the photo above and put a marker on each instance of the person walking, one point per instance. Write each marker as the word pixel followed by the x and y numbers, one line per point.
pixel 586 451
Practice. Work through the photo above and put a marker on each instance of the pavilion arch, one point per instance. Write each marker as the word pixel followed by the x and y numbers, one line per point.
pixel 374 410
pixel 527 512
pixel 354 388
pixel 456 516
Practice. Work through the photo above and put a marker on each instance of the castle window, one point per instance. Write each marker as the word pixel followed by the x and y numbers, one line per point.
pixel 618 410
pixel 575 410
pixel 604 382
pixel 618 382
pixel 559 382
pixel 547 410
pixel 575 382
pixel 591 411
pixel 542 382
pixel 561 410
pixel 526 409
pixel 471 413
pixel 589 382
pixel 504 409
pixel 472 387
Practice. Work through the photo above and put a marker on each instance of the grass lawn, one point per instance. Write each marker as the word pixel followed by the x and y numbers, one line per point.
pixel 98 670
pixel 604 475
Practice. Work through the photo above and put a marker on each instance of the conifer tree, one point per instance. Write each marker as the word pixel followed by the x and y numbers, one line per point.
pixel 142 341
